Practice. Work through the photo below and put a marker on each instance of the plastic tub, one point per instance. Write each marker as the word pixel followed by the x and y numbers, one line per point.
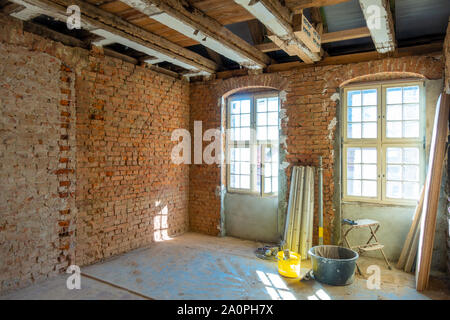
pixel 291 267
pixel 333 265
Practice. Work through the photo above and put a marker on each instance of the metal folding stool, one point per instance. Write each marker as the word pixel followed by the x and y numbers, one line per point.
pixel 369 246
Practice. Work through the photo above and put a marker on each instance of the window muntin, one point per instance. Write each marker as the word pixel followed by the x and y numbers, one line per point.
pixel 240 120
pixel 253 122
pixel 402 172
pixel 403 112
pixel 400 119
pixel 362 114
pixel 240 175
pixel 362 172
pixel 270 168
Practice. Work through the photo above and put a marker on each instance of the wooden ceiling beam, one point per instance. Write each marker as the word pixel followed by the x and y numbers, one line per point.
pixel 326 38
pixel 380 23
pixel 279 21
pixel 193 23
pixel 344 59
pixel 114 28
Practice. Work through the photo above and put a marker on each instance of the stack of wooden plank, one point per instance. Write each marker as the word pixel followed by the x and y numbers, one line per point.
pixel 408 255
pixel 432 192
pixel 300 215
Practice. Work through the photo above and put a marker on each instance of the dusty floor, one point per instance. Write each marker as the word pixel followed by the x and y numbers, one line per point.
pixel 194 266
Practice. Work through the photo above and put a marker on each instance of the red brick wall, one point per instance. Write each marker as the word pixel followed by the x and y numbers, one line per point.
pixel 311 127
pixel 85 168
pixel 36 166
pixel 125 118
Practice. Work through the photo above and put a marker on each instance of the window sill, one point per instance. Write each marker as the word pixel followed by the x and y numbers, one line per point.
pixel 376 203
pixel 233 192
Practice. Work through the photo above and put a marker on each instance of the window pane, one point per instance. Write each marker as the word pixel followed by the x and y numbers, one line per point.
pixel 394 112
pixel 411 173
pixel 411 190
pixel 394 172
pixel 393 129
pixel 354 155
pixel 354 171
pixel 261 133
pixel 411 155
pixel 274 169
pixel 273 118
pixel 272 133
pixel 402 177
pixel 369 155
pixel 369 171
pixel 369 97
pixel 394 95
pixel 233 167
pixel 245 182
pixel 411 94
pixel 235 107
pixel 273 104
pixel 411 112
pixel 275 184
pixel 369 188
pixel 411 129
pixel 235 134
pixel 234 181
pixel 354 187
pixel 245 106
pixel 354 130
pixel 245 168
pixel 245 120
pixel 261 119
pixel 394 155
pixel 267 155
pixel 233 152
pixel 369 130
pixel 245 134
pixel 261 105
pixel 354 98
pixel 235 121
pixel 267 185
pixel 354 114
pixel 245 154
pixel 393 189
pixel 370 114
pixel 267 169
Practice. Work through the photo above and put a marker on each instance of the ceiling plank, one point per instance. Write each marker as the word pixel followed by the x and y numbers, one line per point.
pixel 298 5
pixel 113 27
pixel 278 19
pixel 345 35
pixel 194 24
pixel 224 11
pixel 256 31
pixel 380 23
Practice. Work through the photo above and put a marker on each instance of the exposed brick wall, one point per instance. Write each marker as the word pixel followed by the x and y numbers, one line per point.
pixel 311 109
pixel 125 118
pixel 35 190
pixel 85 145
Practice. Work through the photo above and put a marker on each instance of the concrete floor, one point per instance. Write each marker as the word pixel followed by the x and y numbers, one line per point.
pixel 194 266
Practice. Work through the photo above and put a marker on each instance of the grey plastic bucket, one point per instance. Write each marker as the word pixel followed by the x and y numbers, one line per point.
pixel 333 265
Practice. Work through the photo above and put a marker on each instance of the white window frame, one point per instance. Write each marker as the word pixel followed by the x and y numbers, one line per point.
pixel 253 144
pixel 381 143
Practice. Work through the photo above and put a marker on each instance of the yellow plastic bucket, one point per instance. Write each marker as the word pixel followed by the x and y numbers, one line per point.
pixel 291 267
